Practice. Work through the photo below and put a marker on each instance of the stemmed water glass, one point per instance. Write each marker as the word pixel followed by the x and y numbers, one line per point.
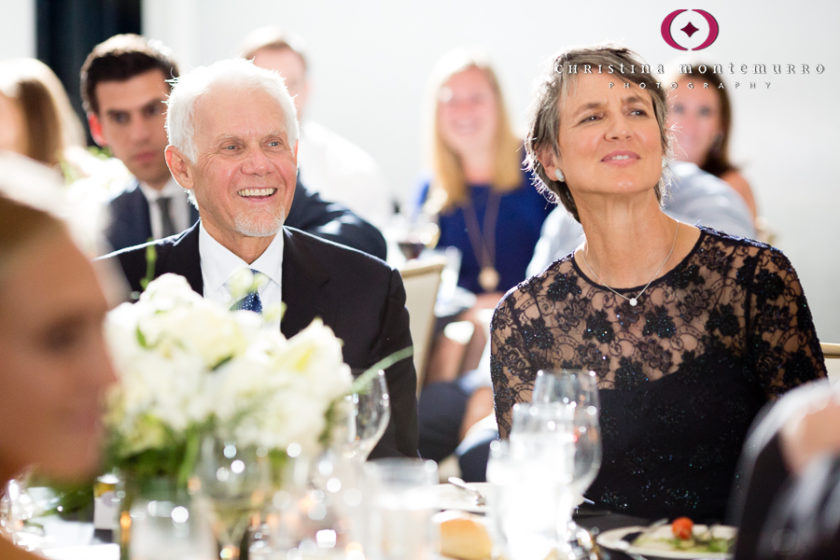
pixel 362 419
pixel 532 473
pixel 233 483
pixel 578 390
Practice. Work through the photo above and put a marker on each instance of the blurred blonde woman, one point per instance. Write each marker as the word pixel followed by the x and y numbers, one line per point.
pixel 478 190
pixel 55 367
pixel 37 120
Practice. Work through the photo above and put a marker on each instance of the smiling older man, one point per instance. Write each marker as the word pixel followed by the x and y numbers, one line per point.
pixel 233 146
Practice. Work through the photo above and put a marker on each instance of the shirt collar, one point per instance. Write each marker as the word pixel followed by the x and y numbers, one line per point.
pixel 218 263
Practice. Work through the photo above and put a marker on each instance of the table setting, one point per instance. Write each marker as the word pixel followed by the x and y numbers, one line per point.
pixel 233 442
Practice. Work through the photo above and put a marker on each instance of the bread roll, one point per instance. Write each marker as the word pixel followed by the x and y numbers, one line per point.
pixel 463 536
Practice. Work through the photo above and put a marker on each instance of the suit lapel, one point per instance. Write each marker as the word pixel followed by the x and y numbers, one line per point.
pixel 184 259
pixel 303 278
pixel 141 220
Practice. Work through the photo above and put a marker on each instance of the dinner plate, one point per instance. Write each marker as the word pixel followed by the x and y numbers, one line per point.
pixel 613 540
pixel 449 496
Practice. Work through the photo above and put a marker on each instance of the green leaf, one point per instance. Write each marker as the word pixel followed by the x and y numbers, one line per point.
pixel 141 338
pixel 151 259
pixel 361 383
pixel 221 362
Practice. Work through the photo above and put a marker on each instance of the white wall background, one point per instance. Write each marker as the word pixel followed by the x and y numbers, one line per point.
pixel 17 28
pixel 370 60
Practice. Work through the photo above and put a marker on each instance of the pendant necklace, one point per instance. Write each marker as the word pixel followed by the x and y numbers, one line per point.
pixel 483 240
pixel 634 300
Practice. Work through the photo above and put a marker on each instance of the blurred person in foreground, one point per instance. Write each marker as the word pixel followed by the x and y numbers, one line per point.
pixel 125 82
pixel 788 504
pixel 700 117
pixel 233 145
pixel 37 120
pixel 55 367
pixel 689 331
pixel 329 164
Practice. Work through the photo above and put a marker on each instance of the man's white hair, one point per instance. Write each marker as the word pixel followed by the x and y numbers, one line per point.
pixel 180 116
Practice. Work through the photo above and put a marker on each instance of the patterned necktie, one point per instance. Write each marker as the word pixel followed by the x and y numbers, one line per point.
pixel 252 301
pixel 167 225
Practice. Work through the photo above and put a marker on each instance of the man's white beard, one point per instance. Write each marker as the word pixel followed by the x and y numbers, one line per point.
pixel 260 228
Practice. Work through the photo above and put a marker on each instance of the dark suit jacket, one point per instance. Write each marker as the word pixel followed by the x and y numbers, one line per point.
pixel 781 516
pixel 130 223
pixel 358 296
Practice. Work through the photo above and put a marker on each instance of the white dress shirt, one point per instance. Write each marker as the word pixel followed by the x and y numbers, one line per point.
pixel 179 206
pixel 218 264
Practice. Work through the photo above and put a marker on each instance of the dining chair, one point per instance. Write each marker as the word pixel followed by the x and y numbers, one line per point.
pixel 831 352
pixel 421 278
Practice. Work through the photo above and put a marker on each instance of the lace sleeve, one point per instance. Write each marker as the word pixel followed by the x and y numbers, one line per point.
pixel 781 334
pixel 510 361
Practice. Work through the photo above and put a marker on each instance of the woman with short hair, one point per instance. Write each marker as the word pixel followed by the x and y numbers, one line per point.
pixel 689 331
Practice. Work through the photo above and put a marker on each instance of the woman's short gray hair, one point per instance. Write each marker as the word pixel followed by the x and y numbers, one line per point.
pixel 544 121
pixel 180 115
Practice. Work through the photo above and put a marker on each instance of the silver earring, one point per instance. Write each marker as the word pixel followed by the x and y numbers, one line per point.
pixel 559 175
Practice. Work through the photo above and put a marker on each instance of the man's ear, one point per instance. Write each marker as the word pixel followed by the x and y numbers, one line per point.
pixel 179 166
pixel 96 129
pixel 297 142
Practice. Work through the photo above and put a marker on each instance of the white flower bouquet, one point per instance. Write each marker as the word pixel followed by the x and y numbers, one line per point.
pixel 189 367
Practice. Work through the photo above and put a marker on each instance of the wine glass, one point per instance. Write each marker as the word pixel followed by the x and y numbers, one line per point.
pixel 577 389
pixel 233 483
pixel 18 507
pixel 572 386
pixel 415 235
pixel 362 419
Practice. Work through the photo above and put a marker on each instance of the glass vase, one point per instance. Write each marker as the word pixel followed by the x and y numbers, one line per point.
pixel 158 522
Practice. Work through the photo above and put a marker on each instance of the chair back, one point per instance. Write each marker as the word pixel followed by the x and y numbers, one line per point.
pixel 831 352
pixel 421 278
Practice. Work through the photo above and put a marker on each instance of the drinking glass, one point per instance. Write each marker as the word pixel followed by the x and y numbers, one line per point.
pixel 415 235
pixel 522 499
pixel 18 506
pixel 571 386
pixel 164 525
pixel 233 484
pixel 400 506
pixel 577 389
pixel 362 419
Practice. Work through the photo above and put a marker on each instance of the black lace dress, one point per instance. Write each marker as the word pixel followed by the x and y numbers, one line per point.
pixel 681 375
